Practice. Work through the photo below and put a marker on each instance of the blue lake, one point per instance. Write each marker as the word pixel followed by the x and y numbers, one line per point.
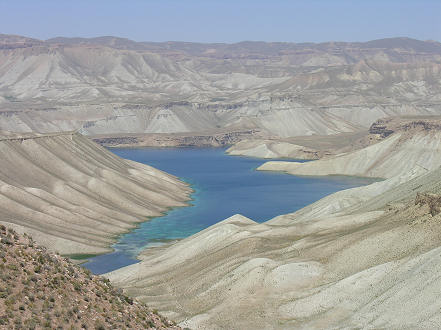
pixel 224 185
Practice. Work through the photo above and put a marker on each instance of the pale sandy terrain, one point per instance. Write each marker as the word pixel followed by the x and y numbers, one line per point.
pixel 74 196
pixel 302 147
pixel 362 269
pixel 367 257
pixel 416 146
pixel 110 85
pixel 271 149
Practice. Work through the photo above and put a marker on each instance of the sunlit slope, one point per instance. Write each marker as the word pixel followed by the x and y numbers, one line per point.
pixel 75 196
pixel 416 144
pixel 40 289
pixel 366 257
pixel 271 149
pixel 110 85
pixel 359 269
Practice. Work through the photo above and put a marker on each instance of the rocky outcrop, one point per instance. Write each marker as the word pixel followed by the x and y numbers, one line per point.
pixel 433 201
pixel 387 126
pixel 177 140
pixel 380 128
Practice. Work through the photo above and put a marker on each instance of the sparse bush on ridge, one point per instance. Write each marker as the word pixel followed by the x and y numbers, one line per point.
pixel 41 290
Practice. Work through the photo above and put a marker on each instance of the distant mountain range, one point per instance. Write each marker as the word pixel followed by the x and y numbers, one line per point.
pixel 240 49
pixel 110 85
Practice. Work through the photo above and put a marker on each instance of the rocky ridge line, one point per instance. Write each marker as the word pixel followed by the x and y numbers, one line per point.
pixel 40 289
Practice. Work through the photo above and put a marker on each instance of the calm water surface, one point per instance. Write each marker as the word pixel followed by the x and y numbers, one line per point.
pixel 224 185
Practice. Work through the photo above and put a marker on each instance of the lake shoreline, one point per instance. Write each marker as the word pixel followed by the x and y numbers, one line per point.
pixel 222 186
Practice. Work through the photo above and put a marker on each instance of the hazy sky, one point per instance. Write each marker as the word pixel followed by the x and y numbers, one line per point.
pixel 224 20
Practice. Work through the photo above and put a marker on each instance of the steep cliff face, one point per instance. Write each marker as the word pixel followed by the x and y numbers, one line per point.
pixel 387 126
pixel 75 196
pixel 110 85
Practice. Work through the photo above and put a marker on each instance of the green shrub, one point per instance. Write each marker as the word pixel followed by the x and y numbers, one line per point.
pixel 99 326
pixel 77 286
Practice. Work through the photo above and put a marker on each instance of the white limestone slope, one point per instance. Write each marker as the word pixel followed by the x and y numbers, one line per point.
pixel 271 149
pixel 366 257
pixel 354 268
pixel 399 153
pixel 106 88
pixel 74 196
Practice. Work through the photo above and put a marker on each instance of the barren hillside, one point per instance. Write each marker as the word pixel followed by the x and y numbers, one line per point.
pixel 74 196
pixel 367 257
pixel 271 149
pixel 116 86
pixel 395 145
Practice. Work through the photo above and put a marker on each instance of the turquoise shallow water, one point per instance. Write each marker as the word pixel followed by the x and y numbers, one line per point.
pixel 224 185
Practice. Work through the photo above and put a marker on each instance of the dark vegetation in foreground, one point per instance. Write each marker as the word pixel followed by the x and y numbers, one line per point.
pixel 40 289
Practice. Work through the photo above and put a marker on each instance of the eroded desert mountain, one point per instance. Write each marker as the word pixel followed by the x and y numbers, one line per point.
pixel 74 196
pixel 110 85
pixel 366 257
